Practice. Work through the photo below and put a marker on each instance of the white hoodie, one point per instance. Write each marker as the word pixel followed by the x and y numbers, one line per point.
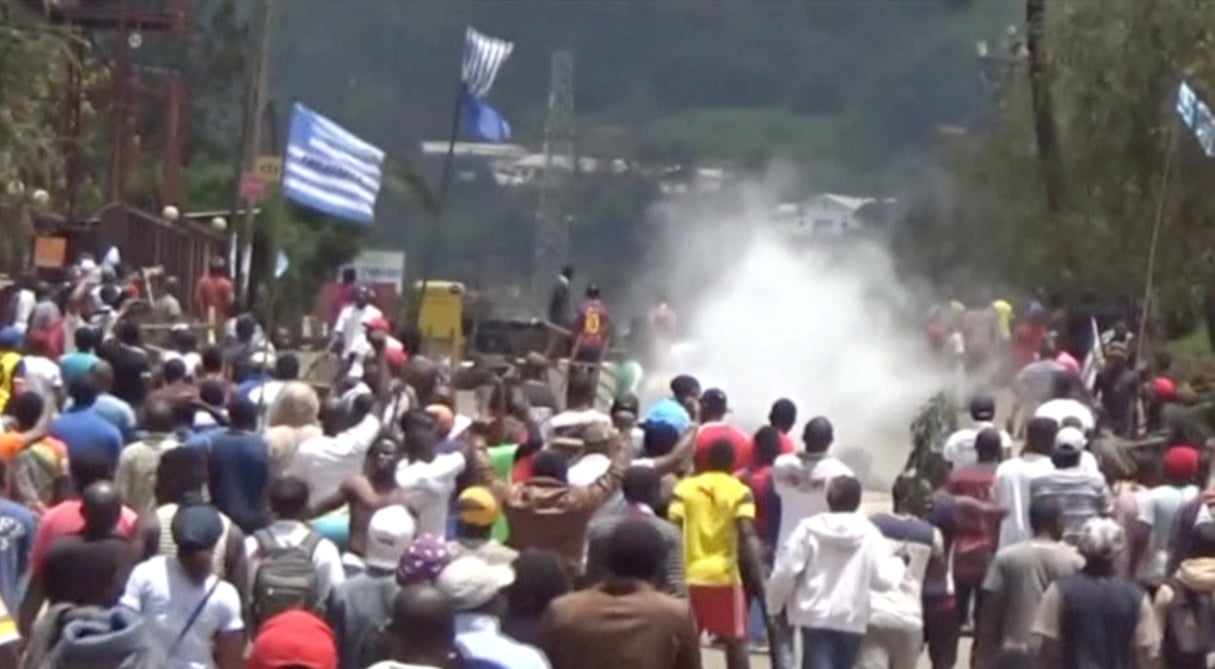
pixel 825 571
pixel 800 480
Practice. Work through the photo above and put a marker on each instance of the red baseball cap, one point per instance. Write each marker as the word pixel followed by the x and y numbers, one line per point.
pixel 1164 388
pixel 1181 462
pixel 293 639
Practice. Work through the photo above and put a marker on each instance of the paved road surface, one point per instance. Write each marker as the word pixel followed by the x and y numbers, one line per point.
pixel 714 659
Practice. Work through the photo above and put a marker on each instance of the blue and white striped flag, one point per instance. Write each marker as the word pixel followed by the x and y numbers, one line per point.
pixel 1197 116
pixel 483 55
pixel 329 169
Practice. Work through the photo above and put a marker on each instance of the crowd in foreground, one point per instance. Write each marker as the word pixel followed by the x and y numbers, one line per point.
pixel 206 508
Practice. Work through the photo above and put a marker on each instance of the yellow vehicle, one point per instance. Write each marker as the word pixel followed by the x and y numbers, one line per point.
pixel 441 318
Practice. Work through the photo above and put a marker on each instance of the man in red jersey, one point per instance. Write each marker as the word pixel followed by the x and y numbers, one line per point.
pixel 713 427
pixel 592 328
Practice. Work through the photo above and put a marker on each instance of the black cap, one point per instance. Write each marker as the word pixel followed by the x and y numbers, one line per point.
pixel 196 527
pixel 982 407
pixel 714 399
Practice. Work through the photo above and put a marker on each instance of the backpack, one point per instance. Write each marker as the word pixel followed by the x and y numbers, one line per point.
pixel 1189 627
pixel 285 578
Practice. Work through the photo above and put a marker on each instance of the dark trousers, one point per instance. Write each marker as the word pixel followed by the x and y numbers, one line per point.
pixel 941 632
pixel 964 595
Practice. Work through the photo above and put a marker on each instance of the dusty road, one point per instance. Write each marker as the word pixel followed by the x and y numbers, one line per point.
pixel 714 659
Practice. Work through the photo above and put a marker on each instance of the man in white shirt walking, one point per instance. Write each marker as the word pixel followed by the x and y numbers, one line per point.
pixel 801 479
pixel 824 574
pixel 193 614
pixel 1011 487
pixel 350 330
pixel 959 448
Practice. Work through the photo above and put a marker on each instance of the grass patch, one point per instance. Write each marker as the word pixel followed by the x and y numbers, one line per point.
pixel 1193 359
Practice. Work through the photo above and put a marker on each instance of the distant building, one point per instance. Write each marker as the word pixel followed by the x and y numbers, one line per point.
pixel 828 215
pixel 527 169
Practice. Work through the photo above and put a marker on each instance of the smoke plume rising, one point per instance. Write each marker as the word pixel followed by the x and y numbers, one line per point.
pixel 824 322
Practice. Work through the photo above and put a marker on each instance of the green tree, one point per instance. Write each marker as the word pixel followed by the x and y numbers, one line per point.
pixel 36 62
pixel 1115 69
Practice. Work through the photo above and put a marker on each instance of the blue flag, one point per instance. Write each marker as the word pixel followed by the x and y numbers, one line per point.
pixel 483 57
pixel 483 120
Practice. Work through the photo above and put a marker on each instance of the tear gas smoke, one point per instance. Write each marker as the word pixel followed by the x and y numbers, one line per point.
pixel 824 322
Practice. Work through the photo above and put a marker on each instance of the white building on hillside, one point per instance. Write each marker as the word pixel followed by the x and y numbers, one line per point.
pixel 825 214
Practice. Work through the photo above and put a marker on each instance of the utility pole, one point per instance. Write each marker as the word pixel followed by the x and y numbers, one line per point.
pixel 254 114
pixel 552 248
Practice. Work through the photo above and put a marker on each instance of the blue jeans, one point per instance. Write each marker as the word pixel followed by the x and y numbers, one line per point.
pixel 829 649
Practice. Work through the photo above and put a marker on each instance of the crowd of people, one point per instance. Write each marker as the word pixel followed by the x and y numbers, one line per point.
pixel 199 507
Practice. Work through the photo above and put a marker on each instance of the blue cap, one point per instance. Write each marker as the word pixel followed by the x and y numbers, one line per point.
pixel 670 412
pixel 10 337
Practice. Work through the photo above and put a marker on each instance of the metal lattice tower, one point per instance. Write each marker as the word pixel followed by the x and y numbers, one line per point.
pixel 552 248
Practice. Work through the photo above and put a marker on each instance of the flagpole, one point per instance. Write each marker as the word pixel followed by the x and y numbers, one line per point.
pixel 432 247
pixel 1151 263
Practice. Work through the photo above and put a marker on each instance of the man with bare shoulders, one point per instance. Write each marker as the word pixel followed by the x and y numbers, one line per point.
pixel 367 493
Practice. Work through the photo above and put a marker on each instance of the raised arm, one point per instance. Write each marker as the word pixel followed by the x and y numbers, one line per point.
pixel 679 456
pixel 483 467
pixel 593 496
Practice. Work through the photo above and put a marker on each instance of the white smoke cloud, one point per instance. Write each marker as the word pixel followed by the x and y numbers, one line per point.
pixel 826 323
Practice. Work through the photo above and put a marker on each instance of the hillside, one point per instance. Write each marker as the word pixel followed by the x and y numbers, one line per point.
pixel 728 79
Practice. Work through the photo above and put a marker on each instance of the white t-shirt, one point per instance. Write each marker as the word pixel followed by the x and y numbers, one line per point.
pixel 959 448
pixel 428 489
pixel 192 360
pixel 1011 492
pixel 350 327
pixel 324 461
pixel 270 389
pixel 1062 409
pixel 326 558
pixel 801 485
pixel 161 592
pixel 42 376
pixel 571 421
pixel 1158 508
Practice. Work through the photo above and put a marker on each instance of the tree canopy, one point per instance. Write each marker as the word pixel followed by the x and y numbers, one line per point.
pixel 1115 68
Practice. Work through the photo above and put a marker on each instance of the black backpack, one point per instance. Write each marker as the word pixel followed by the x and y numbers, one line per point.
pixel 1189 627
pixel 285 578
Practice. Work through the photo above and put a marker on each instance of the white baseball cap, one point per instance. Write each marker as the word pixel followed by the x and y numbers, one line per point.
pixel 471 581
pixel 389 533
pixel 1070 441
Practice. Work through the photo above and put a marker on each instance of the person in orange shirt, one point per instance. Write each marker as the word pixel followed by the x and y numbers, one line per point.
pixel 37 463
pixel 213 294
